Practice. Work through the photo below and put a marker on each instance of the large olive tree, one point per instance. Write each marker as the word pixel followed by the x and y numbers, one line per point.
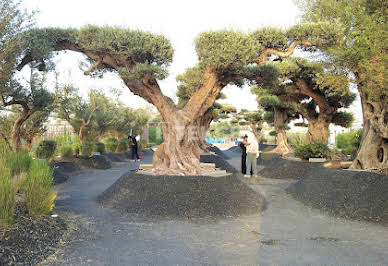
pixel 362 50
pixel 141 59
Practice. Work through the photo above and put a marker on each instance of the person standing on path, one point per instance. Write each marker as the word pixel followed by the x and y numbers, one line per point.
pixel 243 147
pixel 252 154
pixel 133 142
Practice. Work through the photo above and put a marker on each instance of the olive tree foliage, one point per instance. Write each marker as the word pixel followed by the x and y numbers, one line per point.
pixel 361 50
pixel 142 59
pixel 309 85
pixel 13 22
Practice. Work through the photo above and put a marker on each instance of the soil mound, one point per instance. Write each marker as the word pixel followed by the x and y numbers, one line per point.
pixel 219 161
pixel 115 157
pixel 96 162
pixel 349 194
pixel 284 169
pixel 31 239
pixel 217 151
pixel 62 170
pixel 182 197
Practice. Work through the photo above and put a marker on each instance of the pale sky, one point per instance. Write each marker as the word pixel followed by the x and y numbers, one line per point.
pixel 179 21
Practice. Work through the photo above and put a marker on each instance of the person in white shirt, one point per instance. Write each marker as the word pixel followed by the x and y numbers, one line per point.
pixel 252 154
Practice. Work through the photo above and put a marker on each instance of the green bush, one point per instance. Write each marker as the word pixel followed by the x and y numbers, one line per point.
pixel 155 135
pixel 312 150
pixel 87 149
pixel 123 145
pixel 111 144
pixel 142 144
pixel 18 162
pixel 66 151
pixel 99 147
pixel 46 149
pixel 349 142
pixel 38 195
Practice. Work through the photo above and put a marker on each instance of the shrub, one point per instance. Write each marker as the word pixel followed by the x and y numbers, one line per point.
pixel 38 195
pixel 18 162
pixel 66 151
pixel 77 148
pixel 349 142
pixel 99 147
pixel 123 145
pixel 87 149
pixel 312 150
pixel 111 144
pixel 46 149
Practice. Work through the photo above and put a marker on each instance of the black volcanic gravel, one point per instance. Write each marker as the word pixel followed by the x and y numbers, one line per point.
pixel 219 152
pixel 219 161
pixel 182 197
pixel 62 171
pixel 283 169
pixel 115 157
pixel 350 194
pixel 95 162
pixel 30 240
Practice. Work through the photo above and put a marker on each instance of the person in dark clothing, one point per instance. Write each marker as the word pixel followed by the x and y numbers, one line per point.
pixel 133 142
pixel 244 154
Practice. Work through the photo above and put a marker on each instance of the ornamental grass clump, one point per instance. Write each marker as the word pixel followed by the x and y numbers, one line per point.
pixel 38 195
pixel 18 162
pixel 122 146
pixel 8 190
pixel 66 151
pixel 111 144
pixel 87 149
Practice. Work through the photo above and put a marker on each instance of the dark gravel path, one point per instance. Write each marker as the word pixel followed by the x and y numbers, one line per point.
pixel 286 233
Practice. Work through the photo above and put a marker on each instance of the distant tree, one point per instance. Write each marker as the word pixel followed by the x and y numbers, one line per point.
pixel 278 113
pixel 31 98
pixel 6 123
pixel 253 119
pixel 141 59
pixel 361 50
pixel 77 111
pixel 321 102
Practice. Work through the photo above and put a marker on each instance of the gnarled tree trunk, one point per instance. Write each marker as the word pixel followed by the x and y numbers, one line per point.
pixel 16 130
pixel 178 154
pixel 318 131
pixel 282 145
pixel 373 152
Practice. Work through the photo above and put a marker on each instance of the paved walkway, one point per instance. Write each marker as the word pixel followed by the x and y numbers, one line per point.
pixel 287 233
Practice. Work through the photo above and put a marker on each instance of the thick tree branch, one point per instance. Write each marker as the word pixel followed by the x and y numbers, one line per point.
pixel 93 67
pixel 320 100
pixel 263 57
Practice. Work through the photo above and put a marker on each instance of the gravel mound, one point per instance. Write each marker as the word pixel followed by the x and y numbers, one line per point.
pixel 62 171
pixel 95 162
pixel 31 239
pixel 115 157
pixel 349 194
pixel 182 197
pixel 219 161
pixel 283 169
pixel 217 151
